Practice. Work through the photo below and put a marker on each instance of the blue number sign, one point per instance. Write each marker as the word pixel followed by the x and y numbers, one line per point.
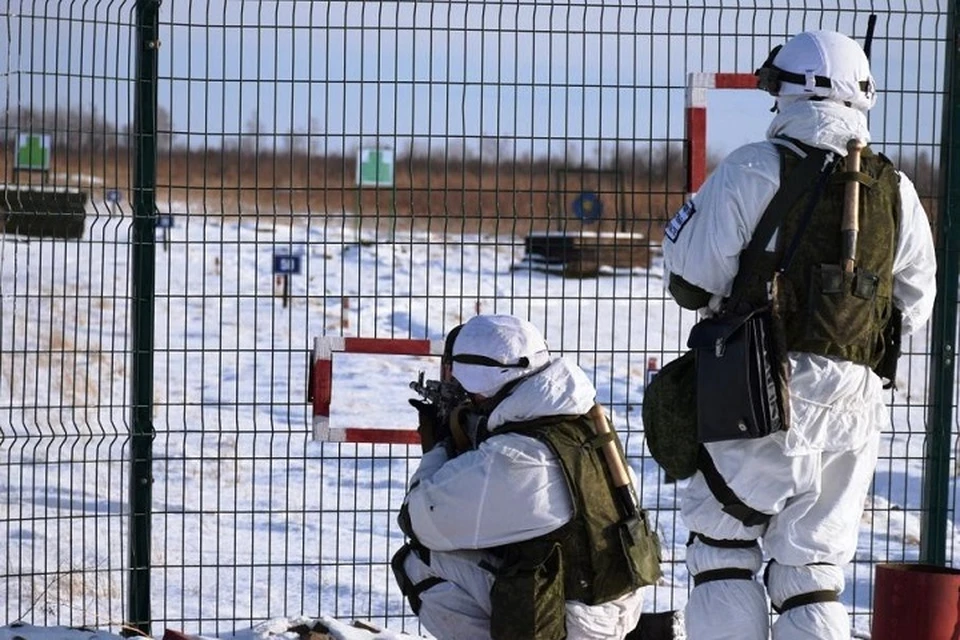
pixel 286 264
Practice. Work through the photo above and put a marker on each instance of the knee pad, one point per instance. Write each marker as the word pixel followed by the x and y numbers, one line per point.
pixel 709 559
pixel 790 587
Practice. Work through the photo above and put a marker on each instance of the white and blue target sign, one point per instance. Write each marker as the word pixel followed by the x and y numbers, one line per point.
pixel 286 264
pixel 587 207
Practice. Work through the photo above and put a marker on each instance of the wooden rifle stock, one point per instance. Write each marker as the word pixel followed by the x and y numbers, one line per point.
pixel 850 227
pixel 622 485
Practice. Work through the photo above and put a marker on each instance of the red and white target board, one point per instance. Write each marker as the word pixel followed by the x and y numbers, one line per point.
pixel 321 385
pixel 696 118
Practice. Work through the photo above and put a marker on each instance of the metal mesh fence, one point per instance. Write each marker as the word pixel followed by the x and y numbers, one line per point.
pixel 376 170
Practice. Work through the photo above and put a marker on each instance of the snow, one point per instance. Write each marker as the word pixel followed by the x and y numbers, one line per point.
pixel 244 499
pixel 276 629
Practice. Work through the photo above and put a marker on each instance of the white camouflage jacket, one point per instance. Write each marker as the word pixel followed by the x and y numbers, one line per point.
pixel 510 488
pixel 834 404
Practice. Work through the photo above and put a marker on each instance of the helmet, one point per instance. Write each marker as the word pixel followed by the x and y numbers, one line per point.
pixel 823 64
pixel 493 350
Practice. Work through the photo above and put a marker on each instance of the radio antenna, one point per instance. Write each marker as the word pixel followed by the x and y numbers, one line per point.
pixel 868 41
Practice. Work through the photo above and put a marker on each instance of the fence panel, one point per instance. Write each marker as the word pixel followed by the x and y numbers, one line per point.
pixel 65 81
pixel 375 170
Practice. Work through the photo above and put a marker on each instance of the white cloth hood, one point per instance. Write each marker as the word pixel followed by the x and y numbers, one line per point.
pixel 824 124
pixel 826 64
pixel 562 389
pixel 511 341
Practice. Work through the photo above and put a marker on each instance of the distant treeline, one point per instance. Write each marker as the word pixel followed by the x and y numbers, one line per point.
pixel 640 184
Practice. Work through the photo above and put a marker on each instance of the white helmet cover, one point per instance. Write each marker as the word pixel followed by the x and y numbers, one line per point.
pixel 825 64
pixel 492 350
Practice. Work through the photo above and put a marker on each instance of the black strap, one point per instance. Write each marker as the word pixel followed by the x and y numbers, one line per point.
pixel 803 599
pixel 404 522
pixel 447 357
pixel 407 587
pixel 815 164
pixel 822 82
pixel 721 574
pixel 732 505
pixel 722 544
pixel 423 585
pixel 484 361
pixel 773 561
pixel 787 257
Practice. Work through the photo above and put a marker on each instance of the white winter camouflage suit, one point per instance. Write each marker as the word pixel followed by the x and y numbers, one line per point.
pixel 814 478
pixel 511 488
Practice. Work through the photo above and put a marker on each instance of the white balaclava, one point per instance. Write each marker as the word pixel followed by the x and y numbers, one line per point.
pixel 492 350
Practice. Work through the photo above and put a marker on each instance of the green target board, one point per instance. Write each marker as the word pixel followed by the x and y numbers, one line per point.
pixel 33 152
pixel 375 168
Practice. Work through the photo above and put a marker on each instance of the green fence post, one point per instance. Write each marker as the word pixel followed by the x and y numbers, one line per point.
pixel 142 313
pixel 933 536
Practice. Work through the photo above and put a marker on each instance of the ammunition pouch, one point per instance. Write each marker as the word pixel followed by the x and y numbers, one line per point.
pixel 892 337
pixel 528 598
pixel 741 386
pixel 596 557
pixel 640 545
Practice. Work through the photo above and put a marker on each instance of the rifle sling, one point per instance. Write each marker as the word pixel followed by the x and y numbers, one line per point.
pixel 813 168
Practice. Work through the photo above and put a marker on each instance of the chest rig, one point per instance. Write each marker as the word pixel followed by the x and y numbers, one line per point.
pixel 821 307
pixel 592 558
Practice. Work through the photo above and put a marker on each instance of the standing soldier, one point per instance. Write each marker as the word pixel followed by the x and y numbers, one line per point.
pixel 840 290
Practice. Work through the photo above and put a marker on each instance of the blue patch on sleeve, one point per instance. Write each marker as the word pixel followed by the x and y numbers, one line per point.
pixel 679 220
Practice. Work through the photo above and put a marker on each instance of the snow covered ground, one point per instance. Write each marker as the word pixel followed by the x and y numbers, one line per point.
pixel 322 628
pixel 254 521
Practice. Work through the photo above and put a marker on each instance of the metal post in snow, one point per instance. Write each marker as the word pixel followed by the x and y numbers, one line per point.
pixel 943 342
pixel 142 314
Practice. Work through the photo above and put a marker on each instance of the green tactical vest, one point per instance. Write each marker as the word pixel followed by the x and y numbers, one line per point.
pixel 821 308
pixel 595 558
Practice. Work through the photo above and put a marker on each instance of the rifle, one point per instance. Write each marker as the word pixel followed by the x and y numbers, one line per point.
pixel 444 397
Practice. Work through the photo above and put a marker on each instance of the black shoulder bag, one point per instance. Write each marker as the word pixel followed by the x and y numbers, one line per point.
pixel 741 366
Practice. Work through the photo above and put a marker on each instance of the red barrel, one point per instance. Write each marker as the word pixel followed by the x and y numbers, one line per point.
pixel 916 601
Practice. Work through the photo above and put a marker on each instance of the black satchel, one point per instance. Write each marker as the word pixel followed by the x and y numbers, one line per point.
pixel 740 363
pixel 739 393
